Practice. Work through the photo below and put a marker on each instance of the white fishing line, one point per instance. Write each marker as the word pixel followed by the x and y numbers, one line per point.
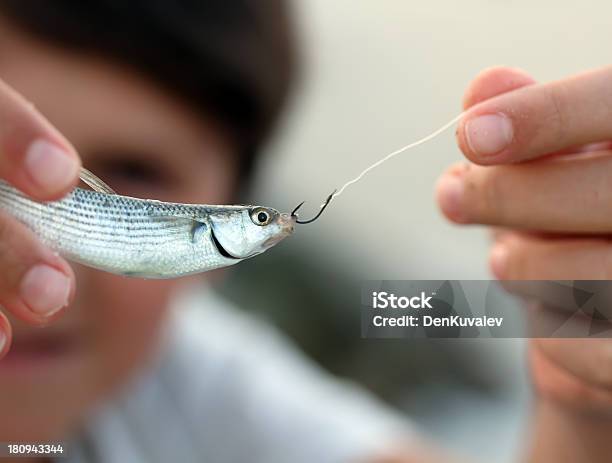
pixel 396 152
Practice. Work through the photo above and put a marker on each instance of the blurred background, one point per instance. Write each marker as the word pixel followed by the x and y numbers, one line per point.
pixel 375 76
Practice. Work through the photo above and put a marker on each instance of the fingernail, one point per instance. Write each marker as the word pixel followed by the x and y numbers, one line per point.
pixel 450 197
pixel 499 260
pixel 45 290
pixel 49 166
pixel 489 134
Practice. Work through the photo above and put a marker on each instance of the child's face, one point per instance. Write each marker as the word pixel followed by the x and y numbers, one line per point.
pixel 143 143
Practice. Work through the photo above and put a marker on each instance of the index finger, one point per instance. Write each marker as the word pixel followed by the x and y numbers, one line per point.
pixel 34 156
pixel 538 119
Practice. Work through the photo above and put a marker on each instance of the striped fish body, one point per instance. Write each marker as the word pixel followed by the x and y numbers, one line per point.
pixel 124 235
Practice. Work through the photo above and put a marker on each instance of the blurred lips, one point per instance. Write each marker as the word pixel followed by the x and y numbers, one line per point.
pixel 36 352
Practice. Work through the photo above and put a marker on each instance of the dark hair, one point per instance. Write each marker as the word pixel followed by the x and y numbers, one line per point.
pixel 232 59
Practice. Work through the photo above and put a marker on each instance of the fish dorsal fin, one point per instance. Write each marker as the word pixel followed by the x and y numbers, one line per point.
pixel 94 182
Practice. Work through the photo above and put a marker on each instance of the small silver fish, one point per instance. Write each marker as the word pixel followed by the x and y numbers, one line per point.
pixel 143 237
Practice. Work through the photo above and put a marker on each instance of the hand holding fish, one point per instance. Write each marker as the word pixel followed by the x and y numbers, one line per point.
pixel 35 283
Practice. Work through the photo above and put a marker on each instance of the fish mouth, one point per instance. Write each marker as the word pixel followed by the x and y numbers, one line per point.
pixel 220 247
pixel 287 222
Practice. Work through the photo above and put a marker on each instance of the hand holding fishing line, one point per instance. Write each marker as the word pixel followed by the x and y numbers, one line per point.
pixel 563 129
pixel 552 214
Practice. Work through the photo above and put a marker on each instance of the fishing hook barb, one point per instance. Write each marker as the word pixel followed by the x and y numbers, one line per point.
pixel 323 206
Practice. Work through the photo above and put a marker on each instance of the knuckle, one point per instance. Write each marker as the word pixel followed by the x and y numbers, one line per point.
pixel 556 111
pixel 15 253
pixel 490 192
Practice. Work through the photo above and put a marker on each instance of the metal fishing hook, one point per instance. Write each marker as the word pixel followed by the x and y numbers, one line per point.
pixel 323 206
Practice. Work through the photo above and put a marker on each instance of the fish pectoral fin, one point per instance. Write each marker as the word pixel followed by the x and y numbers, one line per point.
pixel 95 183
pixel 197 230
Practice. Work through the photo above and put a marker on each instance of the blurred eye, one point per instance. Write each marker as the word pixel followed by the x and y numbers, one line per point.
pixel 133 171
pixel 133 175
pixel 260 217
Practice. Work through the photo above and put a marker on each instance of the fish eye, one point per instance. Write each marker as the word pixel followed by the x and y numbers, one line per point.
pixel 261 217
